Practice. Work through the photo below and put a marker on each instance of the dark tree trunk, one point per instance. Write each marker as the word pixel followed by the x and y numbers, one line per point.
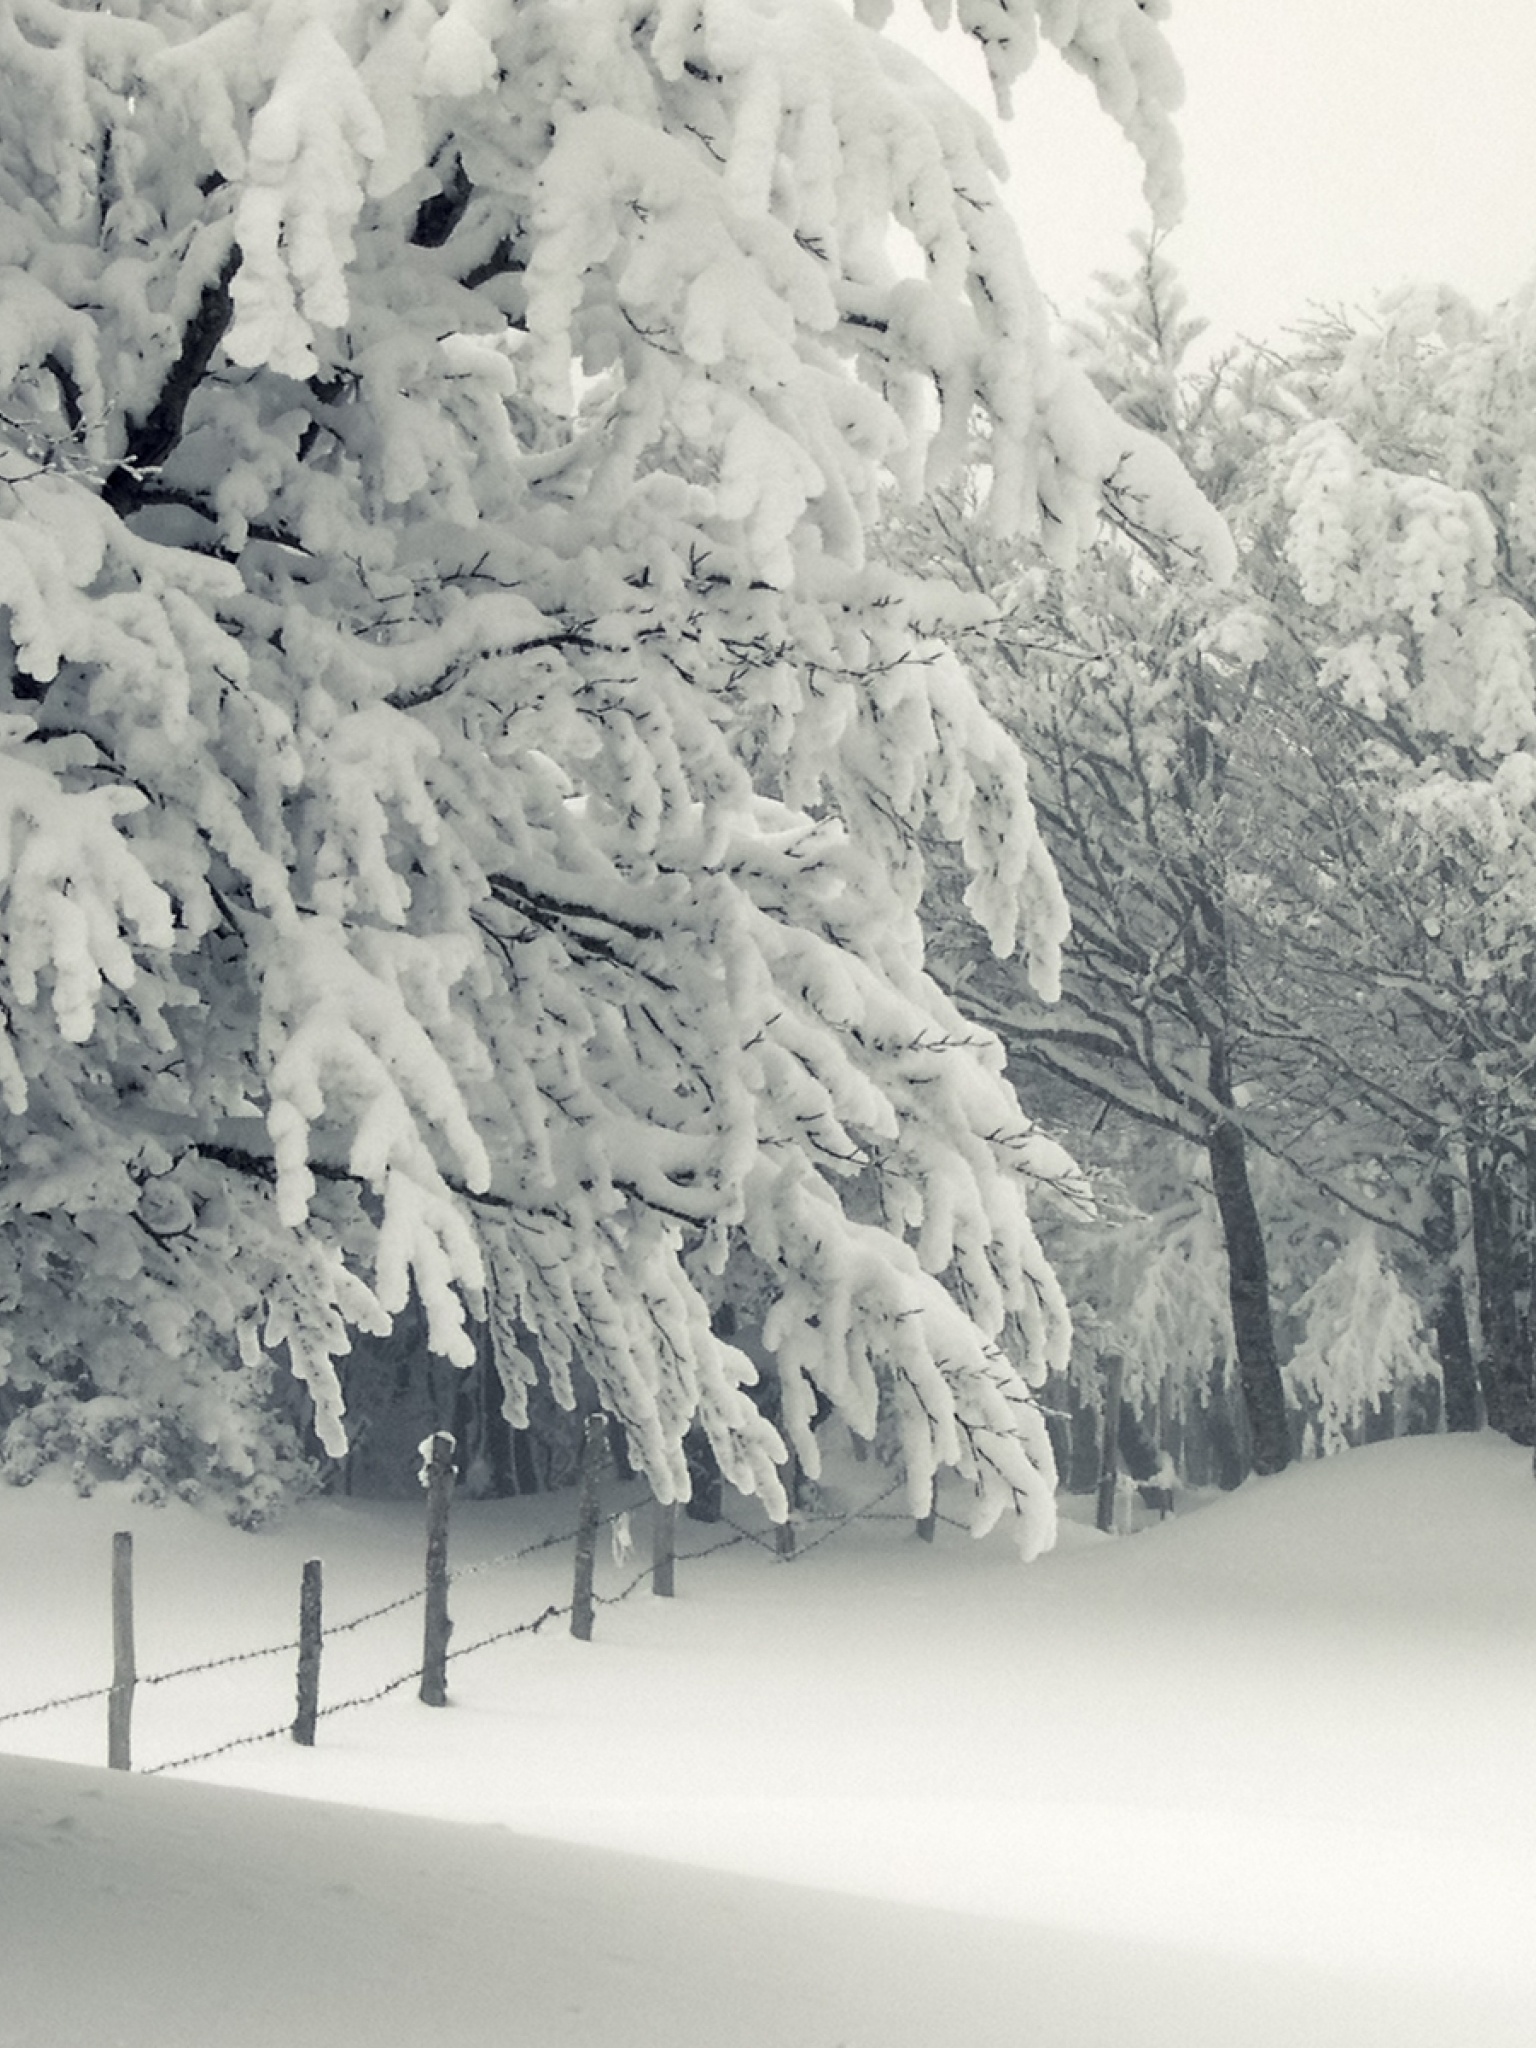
pixel 1426 1407
pixel 1083 1465
pixel 1453 1338
pixel 1109 1438
pixel 484 1435
pixel 1504 1362
pixel 1223 1456
pixel 1139 1458
pixel 1379 1423
pixel 1208 949
pixel 706 1501
pixel 1253 1329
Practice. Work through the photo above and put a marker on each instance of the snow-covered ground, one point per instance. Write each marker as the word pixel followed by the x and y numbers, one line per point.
pixel 1262 1775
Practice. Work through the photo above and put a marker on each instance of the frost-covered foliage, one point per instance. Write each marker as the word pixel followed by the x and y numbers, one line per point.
pixel 462 780
pixel 1408 525
pixel 1401 517
pixel 1286 810
pixel 1125 674
pixel 1362 1341
pixel 1158 1283
pixel 1388 526
pixel 1380 904
pixel 1146 1273
pixel 1402 505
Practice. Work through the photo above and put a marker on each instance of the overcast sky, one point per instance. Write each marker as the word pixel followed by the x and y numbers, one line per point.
pixel 1333 148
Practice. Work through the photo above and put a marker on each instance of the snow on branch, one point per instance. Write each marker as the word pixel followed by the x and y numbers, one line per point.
pixel 1118 45
pixel 440 450
pixel 1363 1337
pixel 70 888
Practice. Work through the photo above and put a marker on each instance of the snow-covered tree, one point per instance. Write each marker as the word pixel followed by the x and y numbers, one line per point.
pixel 1397 527
pixel 1290 815
pixel 462 779
pixel 1127 677
pixel 1362 1341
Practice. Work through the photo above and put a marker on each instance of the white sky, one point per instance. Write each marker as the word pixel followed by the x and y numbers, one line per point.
pixel 1333 148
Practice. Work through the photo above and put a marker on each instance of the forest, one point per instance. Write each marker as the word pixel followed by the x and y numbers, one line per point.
pixel 629 785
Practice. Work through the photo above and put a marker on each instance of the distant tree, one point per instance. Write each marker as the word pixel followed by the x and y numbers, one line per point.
pixel 1362 1344
pixel 1291 814
pixel 461 778
pixel 1127 678
pixel 1397 533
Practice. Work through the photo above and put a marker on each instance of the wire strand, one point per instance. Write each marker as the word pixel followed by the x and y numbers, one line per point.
pixel 870 1511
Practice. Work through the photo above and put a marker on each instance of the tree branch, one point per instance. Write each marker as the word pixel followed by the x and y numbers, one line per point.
pixel 151 440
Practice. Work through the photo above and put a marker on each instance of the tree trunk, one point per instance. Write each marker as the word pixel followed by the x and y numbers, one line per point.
pixel 1453 1338
pixel 705 1502
pixel 1223 1448
pixel 1504 1362
pixel 1083 1462
pixel 1253 1329
pixel 1109 1464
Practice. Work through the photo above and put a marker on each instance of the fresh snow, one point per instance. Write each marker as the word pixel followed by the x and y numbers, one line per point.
pixel 1263 1774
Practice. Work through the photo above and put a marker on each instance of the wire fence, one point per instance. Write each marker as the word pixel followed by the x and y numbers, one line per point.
pixel 800 1544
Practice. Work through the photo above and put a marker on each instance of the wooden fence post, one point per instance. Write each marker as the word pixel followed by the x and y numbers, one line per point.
pixel 784 1532
pixel 594 1449
pixel 309 1654
pixel 437 1477
pixel 1109 1449
pixel 928 1523
pixel 124 1675
pixel 663 1546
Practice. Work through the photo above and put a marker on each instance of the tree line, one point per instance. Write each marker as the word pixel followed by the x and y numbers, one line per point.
pixel 1292 814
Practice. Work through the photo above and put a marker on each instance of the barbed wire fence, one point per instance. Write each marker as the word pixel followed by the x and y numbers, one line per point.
pixel 119 1692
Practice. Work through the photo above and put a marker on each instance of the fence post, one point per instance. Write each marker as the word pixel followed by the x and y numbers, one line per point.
pixel 309 1654
pixel 663 1546
pixel 437 1477
pixel 1109 1449
pixel 124 1675
pixel 594 1449
pixel 928 1523
pixel 784 1532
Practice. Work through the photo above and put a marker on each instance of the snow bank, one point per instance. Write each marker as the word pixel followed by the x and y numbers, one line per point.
pixel 1261 1775
pixel 160 1915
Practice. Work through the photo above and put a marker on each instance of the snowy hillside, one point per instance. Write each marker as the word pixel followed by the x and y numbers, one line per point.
pixel 1265 1774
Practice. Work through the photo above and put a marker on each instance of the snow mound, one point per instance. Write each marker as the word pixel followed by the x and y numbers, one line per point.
pixel 1262 1775
pixel 154 1915
pixel 1434 1531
